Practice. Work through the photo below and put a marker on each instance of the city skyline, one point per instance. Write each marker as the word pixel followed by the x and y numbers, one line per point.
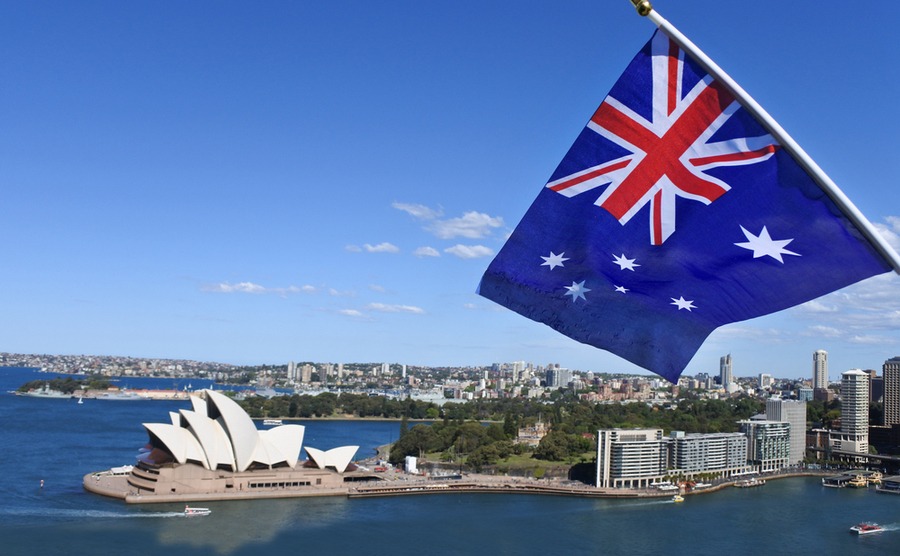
pixel 254 185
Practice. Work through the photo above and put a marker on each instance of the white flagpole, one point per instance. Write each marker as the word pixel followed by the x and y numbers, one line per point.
pixel 842 201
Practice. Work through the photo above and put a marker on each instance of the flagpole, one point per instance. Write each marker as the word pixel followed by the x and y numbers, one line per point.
pixel 878 242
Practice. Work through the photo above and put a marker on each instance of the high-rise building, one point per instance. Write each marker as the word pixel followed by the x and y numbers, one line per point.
pixel 820 369
pixel 793 412
pixel 854 433
pixel 768 444
pixel 725 371
pixel 891 374
pixel 292 372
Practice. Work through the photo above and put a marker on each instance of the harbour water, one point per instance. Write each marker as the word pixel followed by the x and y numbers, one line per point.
pixel 58 441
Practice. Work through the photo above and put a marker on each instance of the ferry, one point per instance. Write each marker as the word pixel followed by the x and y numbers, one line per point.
pixel 273 422
pixel 195 512
pixel 866 528
pixel 750 483
pixel 858 482
pixel 678 498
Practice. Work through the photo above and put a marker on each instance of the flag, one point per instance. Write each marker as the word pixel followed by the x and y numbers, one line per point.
pixel 674 212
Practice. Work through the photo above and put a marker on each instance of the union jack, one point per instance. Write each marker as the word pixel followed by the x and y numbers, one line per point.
pixel 670 154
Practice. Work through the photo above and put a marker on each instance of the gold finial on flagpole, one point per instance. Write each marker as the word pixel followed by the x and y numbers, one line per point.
pixel 643 7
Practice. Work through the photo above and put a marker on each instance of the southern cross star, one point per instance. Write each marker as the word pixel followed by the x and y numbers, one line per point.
pixel 625 263
pixel 577 290
pixel 554 260
pixel 683 303
pixel 763 245
pixel 621 289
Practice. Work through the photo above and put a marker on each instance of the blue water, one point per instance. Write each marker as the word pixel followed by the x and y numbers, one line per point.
pixel 59 441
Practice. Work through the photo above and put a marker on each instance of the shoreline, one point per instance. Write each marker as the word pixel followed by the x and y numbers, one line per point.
pixel 115 486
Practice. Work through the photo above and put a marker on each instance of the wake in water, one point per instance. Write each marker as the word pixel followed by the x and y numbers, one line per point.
pixel 76 514
pixel 642 504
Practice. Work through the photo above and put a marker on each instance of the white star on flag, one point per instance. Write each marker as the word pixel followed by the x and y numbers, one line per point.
pixel 683 303
pixel 577 290
pixel 625 263
pixel 763 245
pixel 621 289
pixel 554 260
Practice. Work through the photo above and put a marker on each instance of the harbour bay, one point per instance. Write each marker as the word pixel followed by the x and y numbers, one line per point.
pixel 58 441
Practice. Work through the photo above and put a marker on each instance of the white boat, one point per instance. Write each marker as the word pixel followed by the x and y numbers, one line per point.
pixel 866 528
pixel 195 512
pixel 272 422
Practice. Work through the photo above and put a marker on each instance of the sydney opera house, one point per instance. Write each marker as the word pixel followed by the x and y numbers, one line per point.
pixel 214 451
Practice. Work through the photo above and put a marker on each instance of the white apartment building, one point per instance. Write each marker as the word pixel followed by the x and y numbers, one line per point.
pixel 630 458
pixel 723 454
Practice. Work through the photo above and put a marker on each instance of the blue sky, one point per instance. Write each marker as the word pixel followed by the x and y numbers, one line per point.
pixel 260 182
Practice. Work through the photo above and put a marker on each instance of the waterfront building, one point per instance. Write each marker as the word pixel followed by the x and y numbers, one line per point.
pixel 214 451
pixel 891 375
pixel 723 454
pixel 768 444
pixel 793 412
pixel 630 458
pixel 854 433
pixel 820 369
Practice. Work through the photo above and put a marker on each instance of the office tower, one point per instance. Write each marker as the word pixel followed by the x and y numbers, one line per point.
pixel 820 369
pixel 891 374
pixel 793 412
pixel 725 371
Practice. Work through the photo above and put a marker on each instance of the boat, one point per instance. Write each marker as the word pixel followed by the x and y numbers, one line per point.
pixel 195 512
pixel 272 422
pixel 750 483
pixel 866 528
pixel 80 401
pixel 858 482
pixel 678 498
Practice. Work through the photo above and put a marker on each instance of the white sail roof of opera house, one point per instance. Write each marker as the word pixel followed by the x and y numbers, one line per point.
pixel 217 433
pixel 338 458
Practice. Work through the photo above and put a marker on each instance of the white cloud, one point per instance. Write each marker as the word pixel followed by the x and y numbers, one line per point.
pixel 419 211
pixel 472 225
pixel 426 252
pixel 384 247
pixel 240 287
pixel 890 231
pixel 822 331
pixel 384 308
pixel 469 251
pixel 350 312
pixel 250 287
pixel 353 248
pixel 337 293
pixel 377 288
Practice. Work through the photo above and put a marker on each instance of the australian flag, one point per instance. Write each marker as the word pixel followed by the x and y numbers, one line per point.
pixel 673 213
